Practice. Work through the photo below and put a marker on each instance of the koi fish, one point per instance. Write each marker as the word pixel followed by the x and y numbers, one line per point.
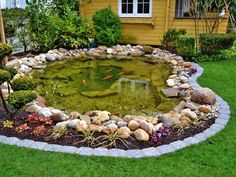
pixel 109 70
pixel 120 73
pixel 107 77
pixel 84 82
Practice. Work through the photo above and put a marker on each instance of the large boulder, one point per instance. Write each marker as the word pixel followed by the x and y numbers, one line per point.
pixel 204 96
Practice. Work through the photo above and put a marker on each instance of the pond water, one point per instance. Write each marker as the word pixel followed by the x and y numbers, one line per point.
pixel 120 86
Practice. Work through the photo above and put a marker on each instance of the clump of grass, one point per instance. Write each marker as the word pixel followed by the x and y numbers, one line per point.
pixel 56 133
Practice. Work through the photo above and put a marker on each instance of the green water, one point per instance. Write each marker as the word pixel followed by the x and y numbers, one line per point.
pixel 127 86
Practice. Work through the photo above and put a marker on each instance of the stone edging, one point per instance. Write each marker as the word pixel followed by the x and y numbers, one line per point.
pixel 220 123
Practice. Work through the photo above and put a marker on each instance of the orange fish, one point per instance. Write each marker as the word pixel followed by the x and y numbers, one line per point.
pixel 120 73
pixel 109 70
pixel 84 82
pixel 107 77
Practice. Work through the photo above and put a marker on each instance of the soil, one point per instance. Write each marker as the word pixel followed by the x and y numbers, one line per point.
pixel 72 138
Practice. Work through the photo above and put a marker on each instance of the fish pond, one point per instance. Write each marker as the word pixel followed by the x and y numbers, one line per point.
pixel 130 86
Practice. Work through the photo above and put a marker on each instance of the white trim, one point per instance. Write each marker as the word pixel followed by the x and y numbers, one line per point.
pixel 135 10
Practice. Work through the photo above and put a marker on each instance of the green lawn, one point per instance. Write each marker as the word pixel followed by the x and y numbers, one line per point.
pixel 215 157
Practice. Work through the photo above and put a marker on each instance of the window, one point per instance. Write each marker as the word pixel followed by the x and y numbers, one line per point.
pixel 135 8
pixel 183 8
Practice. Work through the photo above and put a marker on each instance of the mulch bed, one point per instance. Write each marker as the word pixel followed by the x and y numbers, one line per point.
pixel 72 136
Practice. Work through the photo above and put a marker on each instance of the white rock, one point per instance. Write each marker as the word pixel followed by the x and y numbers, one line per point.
pixel 184 86
pixel 148 127
pixel 189 113
pixel 171 82
pixel 73 123
pixel 62 124
pixel 14 64
pixel 109 51
pixel 34 108
pixel 157 127
pixel 103 116
pixel 45 112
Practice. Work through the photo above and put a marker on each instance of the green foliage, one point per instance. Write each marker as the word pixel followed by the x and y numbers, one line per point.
pixel 75 30
pixel 185 46
pixel 147 49
pixel 11 70
pixel 213 43
pixel 107 26
pixel 52 27
pixel 24 83
pixel 5 50
pixel 170 37
pixel 222 55
pixel 20 98
pixel 13 19
pixel 4 76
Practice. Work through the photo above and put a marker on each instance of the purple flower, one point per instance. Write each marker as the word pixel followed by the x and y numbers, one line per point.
pixel 162 132
pixel 192 71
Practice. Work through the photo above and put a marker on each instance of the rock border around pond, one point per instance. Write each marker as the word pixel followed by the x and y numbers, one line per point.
pixel 220 123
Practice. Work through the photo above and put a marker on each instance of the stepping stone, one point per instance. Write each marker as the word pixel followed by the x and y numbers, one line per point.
pixel 170 92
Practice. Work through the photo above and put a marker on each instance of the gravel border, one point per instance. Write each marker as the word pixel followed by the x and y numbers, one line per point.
pixel 220 123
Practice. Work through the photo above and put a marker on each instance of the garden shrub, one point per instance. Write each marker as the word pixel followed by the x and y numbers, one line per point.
pixel 51 27
pixel 19 99
pixel 12 71
pixel 185 46
pixel 213 43
pixel 107 26
pixel 170 37
pixel 24 83
pixel 75 30
pixel 4 76
pixel 147 49
pixel 5 50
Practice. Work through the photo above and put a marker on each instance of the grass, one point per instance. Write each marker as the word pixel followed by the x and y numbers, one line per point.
pixel 215 157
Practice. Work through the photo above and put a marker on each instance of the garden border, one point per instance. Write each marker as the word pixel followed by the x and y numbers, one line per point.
pixel 220 123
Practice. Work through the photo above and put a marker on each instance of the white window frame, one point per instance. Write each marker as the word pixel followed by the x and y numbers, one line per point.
pixel 135 10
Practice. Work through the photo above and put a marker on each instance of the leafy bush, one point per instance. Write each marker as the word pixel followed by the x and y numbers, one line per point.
pixel 147 49
pixel 24 83
pixel 185 46
pixel 4 76
pixel 170 37
pixel 222 55
pixel 20 98
pixel 5 50
pixel 51 27
pixel 11 70
pixel 213 43
pixel 107 26
pixel 13 19
pixel 75 30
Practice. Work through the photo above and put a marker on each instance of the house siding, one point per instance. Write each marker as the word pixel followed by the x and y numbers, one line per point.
pixel 150 30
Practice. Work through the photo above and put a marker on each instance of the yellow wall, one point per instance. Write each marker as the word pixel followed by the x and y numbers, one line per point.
pixel 149 30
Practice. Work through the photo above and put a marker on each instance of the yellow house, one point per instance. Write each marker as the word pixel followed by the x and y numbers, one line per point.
pixel 145 21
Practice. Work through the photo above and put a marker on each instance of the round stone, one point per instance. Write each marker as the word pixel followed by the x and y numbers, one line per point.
pixel 204 96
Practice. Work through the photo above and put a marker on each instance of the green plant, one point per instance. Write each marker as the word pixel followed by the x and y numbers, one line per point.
pixel 56 133
pixel 4 76
pixel 147 49
pixel 5 50
pixel 185 46
pixel 107 26
pixel 213 43
pixel 88 137
pixel 19 99
pixel 110 140
pixel 11 70
pixel 170 38
pixel 24 83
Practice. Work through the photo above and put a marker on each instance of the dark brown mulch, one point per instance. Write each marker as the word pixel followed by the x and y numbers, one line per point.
pixel 72 136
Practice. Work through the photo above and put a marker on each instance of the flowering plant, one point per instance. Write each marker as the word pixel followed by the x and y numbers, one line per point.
pixel 39 130
pixel 162 132
pixel 192 71
pixel 22 128
pixel 8 124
